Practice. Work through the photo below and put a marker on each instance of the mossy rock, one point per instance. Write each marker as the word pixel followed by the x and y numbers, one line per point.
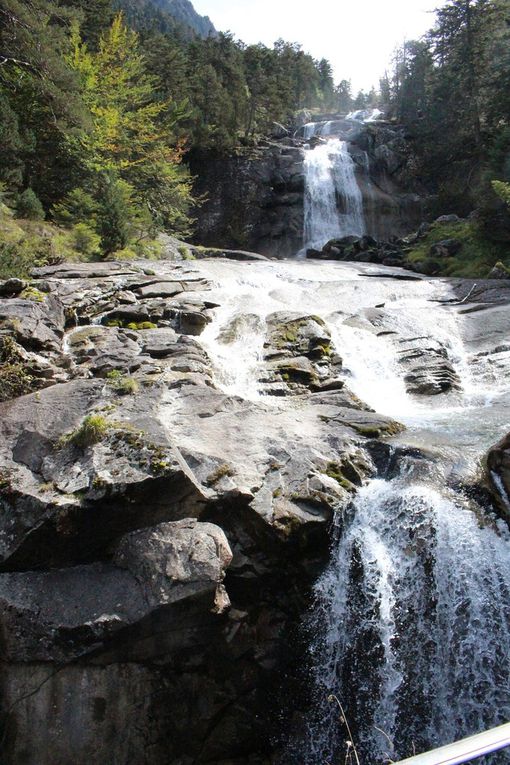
pixel 475 258
pixel 31 293
pixel 15 381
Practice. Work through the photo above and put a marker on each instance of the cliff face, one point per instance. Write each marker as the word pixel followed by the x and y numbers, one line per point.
pixel 255 199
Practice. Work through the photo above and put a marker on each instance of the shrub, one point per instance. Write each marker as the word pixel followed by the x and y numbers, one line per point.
pixel 17 259
pixel 92 430
pixel 29 206
pixel 15 381
pixel 84 239
pixel 502 189
pixel 76 207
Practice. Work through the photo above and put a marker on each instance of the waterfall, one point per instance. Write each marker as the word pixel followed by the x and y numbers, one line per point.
pixel 414 626
pixel 333 201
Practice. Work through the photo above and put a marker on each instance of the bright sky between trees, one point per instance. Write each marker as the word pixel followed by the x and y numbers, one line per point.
pixel 357 36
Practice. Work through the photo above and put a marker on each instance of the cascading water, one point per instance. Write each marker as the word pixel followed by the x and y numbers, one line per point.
pixel 411 624
pixel 414 616
pixel 333 200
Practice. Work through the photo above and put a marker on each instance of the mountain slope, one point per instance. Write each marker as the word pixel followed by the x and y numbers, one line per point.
pixel 184 12
pixel 169 16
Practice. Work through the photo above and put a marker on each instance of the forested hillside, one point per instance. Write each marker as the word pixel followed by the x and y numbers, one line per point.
pixel 176 17
pixel 99 110
pixel 95 119
pixel 452 91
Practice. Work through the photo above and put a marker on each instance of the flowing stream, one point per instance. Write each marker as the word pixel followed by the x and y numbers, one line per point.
pixel 410 630
pixel 411 623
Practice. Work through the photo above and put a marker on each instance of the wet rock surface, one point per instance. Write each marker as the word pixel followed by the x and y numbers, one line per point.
pixel 497 473
pixel 428 370
pixel 364 249
pixel 159 537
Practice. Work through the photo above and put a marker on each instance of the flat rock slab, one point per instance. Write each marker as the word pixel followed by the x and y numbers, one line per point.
pixel 242 255
pixel 85 270
pixel 160 289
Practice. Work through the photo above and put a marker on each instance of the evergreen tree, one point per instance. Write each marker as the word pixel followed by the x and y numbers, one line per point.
pixel 40 101
pixel 343 96
pixel 131 135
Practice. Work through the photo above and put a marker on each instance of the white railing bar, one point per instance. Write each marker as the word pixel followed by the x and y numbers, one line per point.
pixel 465 750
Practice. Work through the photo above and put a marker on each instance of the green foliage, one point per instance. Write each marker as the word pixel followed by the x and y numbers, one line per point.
pixel 40 103
pixel 452 90
pixel 16 259
pixel 119 217
pixel 15 381
pixel 502 190
pixel 29 206
pixel 93 429
pixel 15 378
pixel 76 206
pixel 230 93
pixel 32 293
pixel 141 325
pixel 121 383
pixel 136 325
pixel 475 259
pixel 9 350
pixel 84 240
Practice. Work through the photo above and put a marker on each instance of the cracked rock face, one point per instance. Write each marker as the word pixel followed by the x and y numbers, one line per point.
pixel 159 536
pixel 66 614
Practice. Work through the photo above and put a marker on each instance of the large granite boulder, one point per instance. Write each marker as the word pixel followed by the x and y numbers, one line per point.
pixel 65 614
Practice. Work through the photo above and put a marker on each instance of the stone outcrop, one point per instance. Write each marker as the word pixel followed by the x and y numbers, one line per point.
pixel 159 538
pixel 428 370
pixel 254 200
pixel 362 249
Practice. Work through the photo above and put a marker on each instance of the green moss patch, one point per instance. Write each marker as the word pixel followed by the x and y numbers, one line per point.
pixel 475 259
pixel 92 430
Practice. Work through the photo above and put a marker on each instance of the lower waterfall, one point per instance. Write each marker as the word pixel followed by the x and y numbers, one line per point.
pixel 414 635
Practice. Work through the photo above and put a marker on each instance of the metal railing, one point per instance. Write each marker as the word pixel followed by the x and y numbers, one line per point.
pixel 465 750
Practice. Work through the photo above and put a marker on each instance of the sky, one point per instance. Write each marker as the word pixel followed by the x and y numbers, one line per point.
pixel 358 37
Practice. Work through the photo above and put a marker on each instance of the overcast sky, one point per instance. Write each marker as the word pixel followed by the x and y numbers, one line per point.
pixel 357 36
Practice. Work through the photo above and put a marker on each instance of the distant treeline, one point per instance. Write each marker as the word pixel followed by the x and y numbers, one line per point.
pixel 99 108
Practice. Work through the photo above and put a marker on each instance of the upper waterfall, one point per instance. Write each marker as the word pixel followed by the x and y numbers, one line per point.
pixel 333 200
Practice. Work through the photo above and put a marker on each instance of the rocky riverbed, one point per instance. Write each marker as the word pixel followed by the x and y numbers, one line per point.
pixel 173 454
